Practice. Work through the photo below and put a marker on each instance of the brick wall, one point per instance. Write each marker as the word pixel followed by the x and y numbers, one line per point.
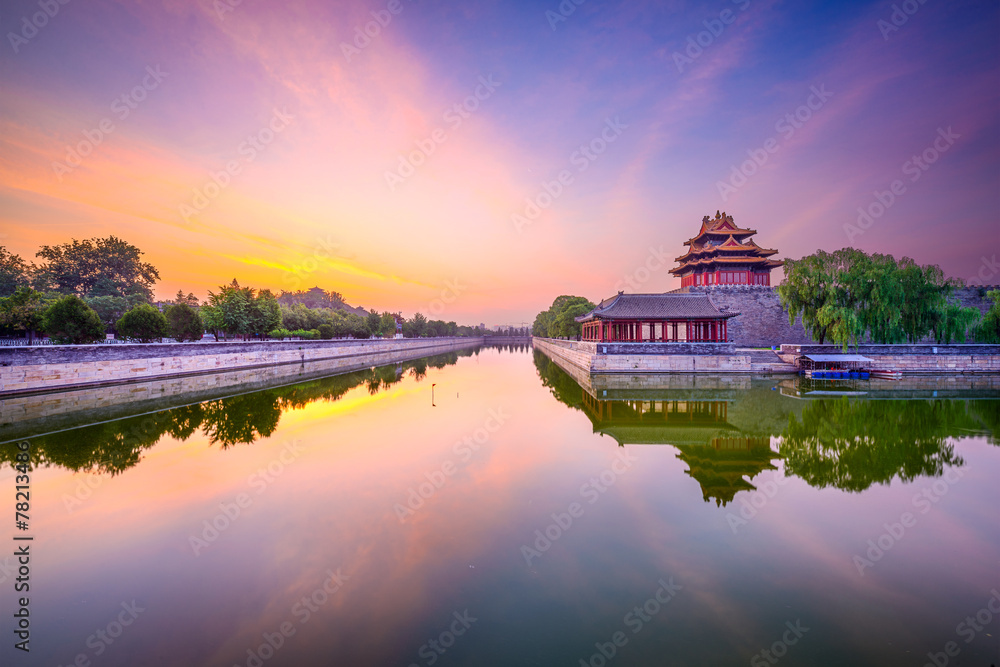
pixel 762 321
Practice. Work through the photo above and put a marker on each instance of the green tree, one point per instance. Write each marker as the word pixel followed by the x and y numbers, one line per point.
pixel 812 289
pixel 373 322
pixel 190 299
pixel 97 267
pixel 387 325
pixel 109 308
pixel 415 327
pixel 559 320
pixel 265 314
pixel 71 321
pixel 14 272
pixel 230 312
pixel 988 329
pixel 211 317
pixel 847 295
pixel 23 311
pixel 144 323
pixel 183 323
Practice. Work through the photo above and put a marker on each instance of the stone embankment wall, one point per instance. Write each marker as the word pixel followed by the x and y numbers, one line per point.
pixel 912 359
pixel 25 369
pixel 763 322
pixel 683 359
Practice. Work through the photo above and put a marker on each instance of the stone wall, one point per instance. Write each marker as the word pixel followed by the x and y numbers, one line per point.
pixel 24 369
pixel 921 359
pixel 762 321
pixel 681 359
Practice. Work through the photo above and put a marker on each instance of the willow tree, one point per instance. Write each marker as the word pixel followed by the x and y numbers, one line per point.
pixel 848 295
pixel 814 287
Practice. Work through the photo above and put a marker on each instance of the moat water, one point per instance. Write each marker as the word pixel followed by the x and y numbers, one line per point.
pixel 483 508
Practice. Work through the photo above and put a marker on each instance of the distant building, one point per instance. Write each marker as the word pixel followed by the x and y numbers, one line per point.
pixel 724 254
pixel 653 318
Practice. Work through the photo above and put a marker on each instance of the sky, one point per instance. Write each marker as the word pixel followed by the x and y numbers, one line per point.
pixel 472 161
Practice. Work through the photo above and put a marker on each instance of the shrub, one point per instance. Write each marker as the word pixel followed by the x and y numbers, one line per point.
pixel 71 321
pixel 325 331
pixel 143 323
pixel 304 334
pixel 183 323
pixel 280 334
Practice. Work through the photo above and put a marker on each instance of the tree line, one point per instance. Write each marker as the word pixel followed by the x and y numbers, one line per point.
pixel 84 290
pixel 848 296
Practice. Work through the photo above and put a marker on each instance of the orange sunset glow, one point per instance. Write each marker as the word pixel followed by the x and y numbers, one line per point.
pixel 396 154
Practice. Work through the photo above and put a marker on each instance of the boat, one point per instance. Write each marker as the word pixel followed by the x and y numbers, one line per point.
pixel 891 375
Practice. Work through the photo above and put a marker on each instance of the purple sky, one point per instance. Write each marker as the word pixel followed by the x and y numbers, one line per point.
pixel 272 144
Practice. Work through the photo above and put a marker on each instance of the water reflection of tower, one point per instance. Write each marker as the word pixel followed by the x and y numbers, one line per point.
pixel 718 455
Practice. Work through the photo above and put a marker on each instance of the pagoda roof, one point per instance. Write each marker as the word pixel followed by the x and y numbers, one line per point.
pixel 722 225
pixel 657 307
pixel 729 245
pixel 761 262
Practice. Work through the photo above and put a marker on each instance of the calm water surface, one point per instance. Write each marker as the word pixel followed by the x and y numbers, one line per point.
pixel 485 509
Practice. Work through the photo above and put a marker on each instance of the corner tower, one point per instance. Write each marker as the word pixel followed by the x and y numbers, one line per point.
pixel 724 254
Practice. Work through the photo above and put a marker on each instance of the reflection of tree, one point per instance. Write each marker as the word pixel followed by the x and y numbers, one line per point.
pixel 560 383
pixel 113 447
pixel 110 448
pixel 988 414
pixel 848 444
pixel 852 444
pixel 241 418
